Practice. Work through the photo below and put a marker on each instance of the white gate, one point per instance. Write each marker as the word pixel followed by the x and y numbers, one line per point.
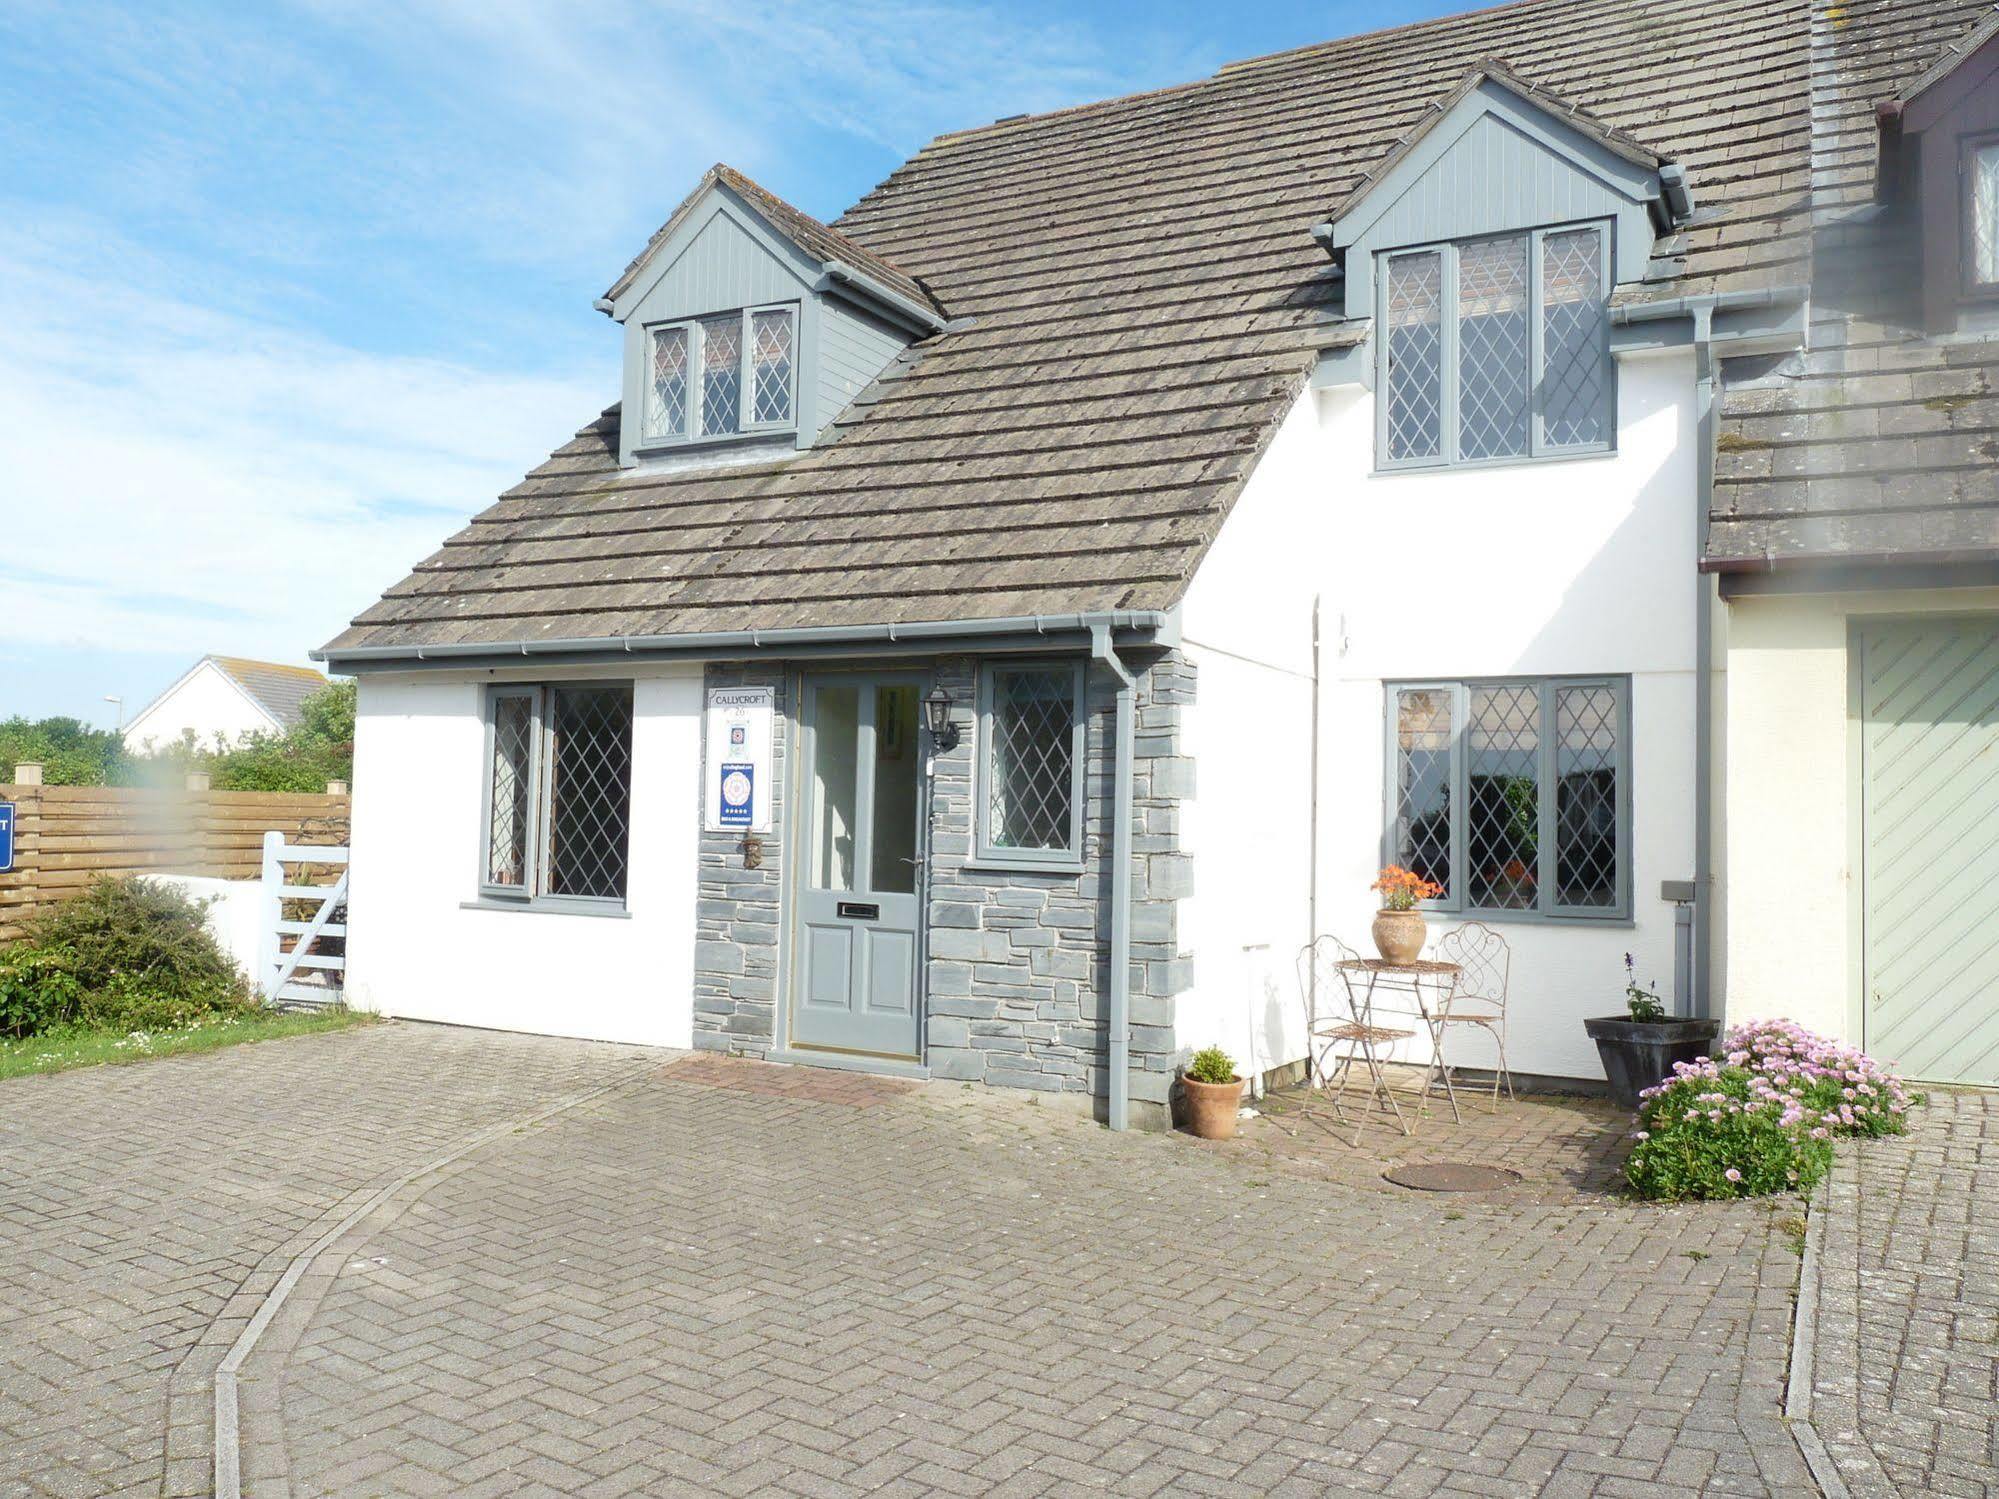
pixel 303 972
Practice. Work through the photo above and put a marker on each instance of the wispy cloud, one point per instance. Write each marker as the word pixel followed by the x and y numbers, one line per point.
pixel 288 291
pixel 173 472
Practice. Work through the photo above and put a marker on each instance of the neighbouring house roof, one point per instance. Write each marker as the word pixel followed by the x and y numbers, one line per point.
pixel 1137 301
pixel 279 690
pixel 1879 444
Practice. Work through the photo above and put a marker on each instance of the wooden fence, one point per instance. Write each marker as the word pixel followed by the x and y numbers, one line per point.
pixel 66 836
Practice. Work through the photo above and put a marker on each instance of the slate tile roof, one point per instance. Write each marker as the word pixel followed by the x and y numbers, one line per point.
pixel 1879 444
pixel 1145 303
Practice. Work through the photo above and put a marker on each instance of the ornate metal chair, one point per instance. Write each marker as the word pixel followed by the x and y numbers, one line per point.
pixel 1486 965
pixel 1339 1014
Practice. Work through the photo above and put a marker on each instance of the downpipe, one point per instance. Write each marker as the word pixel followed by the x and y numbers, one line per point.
pixel 1702 1004
pixel 1117 1101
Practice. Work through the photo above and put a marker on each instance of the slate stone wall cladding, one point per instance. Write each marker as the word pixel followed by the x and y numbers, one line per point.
pixel 736 929
pixel 1018 980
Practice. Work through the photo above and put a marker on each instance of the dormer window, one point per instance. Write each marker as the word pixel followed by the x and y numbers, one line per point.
pixel 1981 172
pixel 1495 348
pixel 722 376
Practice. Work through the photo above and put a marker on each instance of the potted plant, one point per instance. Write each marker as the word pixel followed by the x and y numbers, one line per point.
pixel 1399 928
pixel 1213 1093
pixel 1640 1047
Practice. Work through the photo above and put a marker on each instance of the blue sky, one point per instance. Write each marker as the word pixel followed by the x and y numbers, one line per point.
pixel 290 289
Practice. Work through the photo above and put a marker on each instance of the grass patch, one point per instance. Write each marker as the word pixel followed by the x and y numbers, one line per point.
pixel 82 1046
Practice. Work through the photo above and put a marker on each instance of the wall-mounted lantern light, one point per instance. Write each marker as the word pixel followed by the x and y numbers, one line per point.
pixel 937 718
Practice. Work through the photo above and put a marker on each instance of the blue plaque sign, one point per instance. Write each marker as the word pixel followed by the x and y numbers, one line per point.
pixel 6 836
pixel 738 788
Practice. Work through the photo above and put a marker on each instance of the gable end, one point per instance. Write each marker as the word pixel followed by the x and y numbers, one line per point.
pixel 1495 160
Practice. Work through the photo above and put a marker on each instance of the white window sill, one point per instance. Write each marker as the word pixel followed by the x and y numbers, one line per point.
pixel 550 906
pixel 988 864
pixel 1475 465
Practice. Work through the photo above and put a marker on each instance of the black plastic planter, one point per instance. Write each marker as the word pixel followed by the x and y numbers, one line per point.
pixel 1639 1054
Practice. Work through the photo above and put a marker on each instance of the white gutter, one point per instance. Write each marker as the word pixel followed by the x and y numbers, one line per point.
pixel 711 643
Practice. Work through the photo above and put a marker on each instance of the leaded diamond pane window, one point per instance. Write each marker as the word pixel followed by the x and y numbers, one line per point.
pixel 1512 794
pixel 1588 726
pixel 559 786
pixel 721 375
pixel 1496 349
pixel 1503 796
pixel 1984 236
pixel 1032 764
pixel 1422 815
pixel 666 384
pixel 1414 350
pixel 590 791
pixel 1574 372
pixel 729 375
pixel 770 365
pixel 510 791
pixel 1492 348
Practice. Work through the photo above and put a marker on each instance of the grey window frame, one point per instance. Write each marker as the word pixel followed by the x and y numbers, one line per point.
pixel 1547 879
pixel 1041 860
pixel 530 894
pixel 1968 147
pixel 1538 450
pixel 692 435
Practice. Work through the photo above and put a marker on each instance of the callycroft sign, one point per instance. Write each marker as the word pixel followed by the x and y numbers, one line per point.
pixel 6 836
pixel 738 769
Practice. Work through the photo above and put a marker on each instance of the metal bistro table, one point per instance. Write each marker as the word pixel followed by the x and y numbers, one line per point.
pixel 1431 985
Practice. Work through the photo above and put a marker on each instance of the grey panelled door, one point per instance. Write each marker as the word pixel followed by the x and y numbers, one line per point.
pixel 1929 697
pixel 854 986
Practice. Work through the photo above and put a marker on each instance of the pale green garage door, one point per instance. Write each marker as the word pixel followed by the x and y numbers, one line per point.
pixel 1930 847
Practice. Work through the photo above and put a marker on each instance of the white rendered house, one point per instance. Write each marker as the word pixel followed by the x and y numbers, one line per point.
pixel 994 633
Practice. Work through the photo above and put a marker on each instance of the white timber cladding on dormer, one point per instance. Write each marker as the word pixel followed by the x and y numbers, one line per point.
pixel 1500 159
pixel 722 257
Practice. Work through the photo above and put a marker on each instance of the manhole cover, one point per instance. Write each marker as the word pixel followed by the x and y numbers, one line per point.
pixel 1451 1176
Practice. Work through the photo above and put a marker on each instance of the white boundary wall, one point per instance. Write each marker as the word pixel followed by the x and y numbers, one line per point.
pixel 1573 566
pixel 236 917
pixel 417 949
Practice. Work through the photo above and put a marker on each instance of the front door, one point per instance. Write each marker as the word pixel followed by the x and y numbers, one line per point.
pixel 854 982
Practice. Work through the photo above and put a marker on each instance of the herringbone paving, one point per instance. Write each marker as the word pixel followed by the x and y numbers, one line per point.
pixel 1905 1388
pixel 146 1210
pixel 686 1287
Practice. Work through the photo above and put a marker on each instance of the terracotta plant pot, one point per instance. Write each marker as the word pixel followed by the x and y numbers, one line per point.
pixel 1399 935
pixel 1212 1107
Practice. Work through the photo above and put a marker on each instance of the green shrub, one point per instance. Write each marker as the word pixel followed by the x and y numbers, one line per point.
pixel 1716 1132
pixel 1212 1065
pixel 126 954
pixel 36 992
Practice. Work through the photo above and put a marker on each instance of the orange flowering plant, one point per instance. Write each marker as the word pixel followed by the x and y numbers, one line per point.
pixel 1401 888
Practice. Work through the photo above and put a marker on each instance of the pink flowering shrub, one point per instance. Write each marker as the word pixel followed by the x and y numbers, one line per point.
pixel 1762 1118
pixel 1851 1092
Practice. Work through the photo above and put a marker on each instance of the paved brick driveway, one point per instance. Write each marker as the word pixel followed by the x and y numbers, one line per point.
pixel 708 1279
pixel 1905 1371
pixel 145 1210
